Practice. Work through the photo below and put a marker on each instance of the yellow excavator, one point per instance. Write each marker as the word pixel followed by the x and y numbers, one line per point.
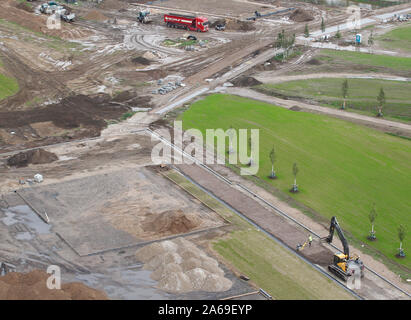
pixel 344 265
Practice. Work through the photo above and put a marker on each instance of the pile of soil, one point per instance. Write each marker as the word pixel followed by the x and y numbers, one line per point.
pixel 172 222
pixel 180 266
pixel 87 112
pixel 234 25
pixel 301 15
pixel 38 156
pixel 314 62
pixel 245 82
pixel 32 286
pixel 95 16
pixel 141 60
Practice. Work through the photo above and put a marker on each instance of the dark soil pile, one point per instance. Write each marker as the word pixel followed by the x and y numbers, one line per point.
pixel 301 15
pixel 72 112
pixel 245 82
pixel 141 60
pixel 172 222
pixel 32 286
pixel 314 62
pixel 235 25
pixel 38 156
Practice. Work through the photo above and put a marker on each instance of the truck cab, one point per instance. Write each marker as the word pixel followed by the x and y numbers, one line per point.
pixel 201 24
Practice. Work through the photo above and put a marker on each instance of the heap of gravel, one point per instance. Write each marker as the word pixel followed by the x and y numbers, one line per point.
pixel 179 266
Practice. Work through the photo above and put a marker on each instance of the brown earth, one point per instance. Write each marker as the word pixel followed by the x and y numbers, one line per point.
pixel 37 23
pixel 38 156
pixel 32 286
pixel 301 15
pixel 172 222
pixel 245 82
pixel 71 112
pixel 95 16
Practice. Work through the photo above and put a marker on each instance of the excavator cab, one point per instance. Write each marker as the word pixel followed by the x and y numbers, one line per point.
pixel 343 265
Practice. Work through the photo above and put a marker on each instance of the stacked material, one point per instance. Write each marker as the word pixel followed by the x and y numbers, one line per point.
pixel 179 266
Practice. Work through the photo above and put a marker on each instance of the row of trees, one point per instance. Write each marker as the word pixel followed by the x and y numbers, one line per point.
pixel 272 155
pixel 372 215
pixel 380 98
pixel 401 231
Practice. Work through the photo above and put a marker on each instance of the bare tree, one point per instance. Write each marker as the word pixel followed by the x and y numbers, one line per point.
pixel 344 91
pixel 294 189
pixel 372 216
pixel 381 102
pixel 272 158
pixel 401 237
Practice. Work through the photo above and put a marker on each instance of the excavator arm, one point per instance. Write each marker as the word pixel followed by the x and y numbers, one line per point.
pixel 335 226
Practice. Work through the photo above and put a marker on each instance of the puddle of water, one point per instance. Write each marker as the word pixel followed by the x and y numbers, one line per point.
pixel 368 4
pixel 24 236
pixel 124 284
pixel 23 214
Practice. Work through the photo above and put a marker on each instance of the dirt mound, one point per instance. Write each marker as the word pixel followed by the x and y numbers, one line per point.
pixel 32 286
pixel 23 159
pixel 141 60
pixel 180 266
pixel 87 113
pixel 314 62
pixel 301 15
pixel 172 222
pixel 113 4
pixel 245 82
pixel 95 16
pixel 234 25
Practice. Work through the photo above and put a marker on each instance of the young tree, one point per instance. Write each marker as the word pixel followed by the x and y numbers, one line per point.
pixel 371 40
pixel 249 149
pixel 294 189
pixel 322 25
pixel 371 216
pixel 306 31
pixel 231 135
pixel 381 102
pixel 344 91
pixel 401 236
pixel 272 158
pixel 338 34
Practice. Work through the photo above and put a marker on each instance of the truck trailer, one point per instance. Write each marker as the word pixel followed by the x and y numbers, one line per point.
pixel 192 23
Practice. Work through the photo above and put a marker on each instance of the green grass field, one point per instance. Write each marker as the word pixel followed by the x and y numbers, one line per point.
pixel 354 62
pixel 8 86
pixel 344 167
pixel 399 38
pixel 362 94
pixel 266 263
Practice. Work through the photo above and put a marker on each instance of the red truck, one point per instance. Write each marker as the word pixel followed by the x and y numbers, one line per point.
pixel 199 24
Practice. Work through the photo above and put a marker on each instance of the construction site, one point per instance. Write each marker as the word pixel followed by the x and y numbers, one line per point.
pixel 88 89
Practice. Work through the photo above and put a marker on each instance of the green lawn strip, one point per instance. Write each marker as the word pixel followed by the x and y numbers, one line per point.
pixel 372 60
pixel 344 167
pixel 265 262
pixel 8 86
pixel 362 94
pixel 398 38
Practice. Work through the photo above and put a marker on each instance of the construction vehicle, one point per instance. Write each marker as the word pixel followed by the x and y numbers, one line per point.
pixel 192 23
pixel 344 265
pixel 68 17
pixel 50 7
pixel 143 17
